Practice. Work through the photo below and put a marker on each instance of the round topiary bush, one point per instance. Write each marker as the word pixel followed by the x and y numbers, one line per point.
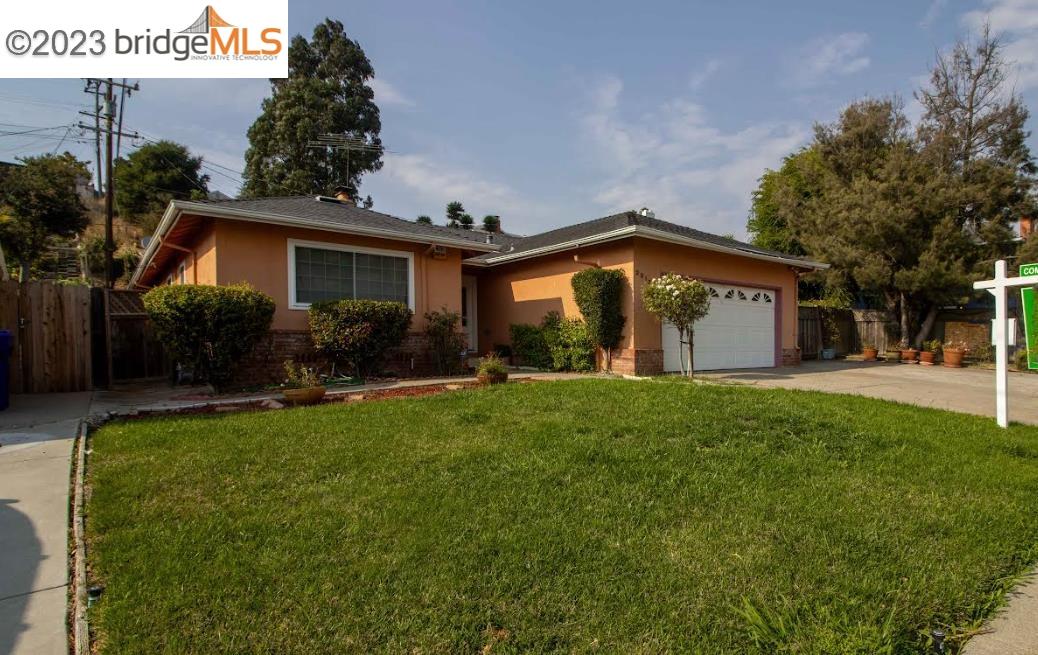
pixel 209 328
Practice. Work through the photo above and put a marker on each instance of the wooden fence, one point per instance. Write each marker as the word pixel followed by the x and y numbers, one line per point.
pixel 50 324
pixel 126 348
pixel 856 327
pixel 874 326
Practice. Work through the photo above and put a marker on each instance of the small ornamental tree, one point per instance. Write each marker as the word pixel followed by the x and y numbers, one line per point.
pixel 209 328
pixel 599 294
pixel 680 301
pixel 358 332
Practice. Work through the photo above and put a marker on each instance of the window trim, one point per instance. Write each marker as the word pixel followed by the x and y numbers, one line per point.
pixel 342 247
pixel 182 273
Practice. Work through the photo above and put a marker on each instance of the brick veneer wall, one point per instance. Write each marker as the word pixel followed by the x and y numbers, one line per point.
pixel 265 364
pixel 791 356
pixel 629 361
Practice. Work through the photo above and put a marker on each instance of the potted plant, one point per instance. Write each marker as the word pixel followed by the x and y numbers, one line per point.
pixel 928 355
pixel 908 353
pixel 492 370
pixel 953 354
pixel 892 354
pixel 869 352
pixel 302 385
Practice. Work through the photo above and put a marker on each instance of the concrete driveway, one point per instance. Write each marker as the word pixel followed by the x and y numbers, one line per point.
pixel 967 390
pixel 36 435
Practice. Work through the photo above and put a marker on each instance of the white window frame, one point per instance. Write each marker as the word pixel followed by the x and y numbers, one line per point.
pixel 341 247
pixel 182 273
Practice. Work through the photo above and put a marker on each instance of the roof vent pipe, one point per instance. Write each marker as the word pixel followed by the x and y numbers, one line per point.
pixel 490 238
pixel 646 212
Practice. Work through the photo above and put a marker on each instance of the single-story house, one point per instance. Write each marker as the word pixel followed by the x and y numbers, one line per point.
pixel 305 249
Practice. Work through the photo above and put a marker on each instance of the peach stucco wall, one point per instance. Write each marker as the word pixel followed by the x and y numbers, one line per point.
pixel 258 254
pixel 524 291
pixel 199 263
pixel 652 258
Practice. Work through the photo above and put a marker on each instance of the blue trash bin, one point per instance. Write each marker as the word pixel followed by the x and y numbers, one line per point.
pixel 6 350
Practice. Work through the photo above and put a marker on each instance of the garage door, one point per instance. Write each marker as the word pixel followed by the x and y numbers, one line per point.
pixel 739 332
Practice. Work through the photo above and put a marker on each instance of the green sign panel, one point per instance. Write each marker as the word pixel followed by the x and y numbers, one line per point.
pixel 1028 269
pixel 1030 307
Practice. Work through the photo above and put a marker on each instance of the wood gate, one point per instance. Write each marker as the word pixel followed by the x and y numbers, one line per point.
pixel 125 345
pixel 50 323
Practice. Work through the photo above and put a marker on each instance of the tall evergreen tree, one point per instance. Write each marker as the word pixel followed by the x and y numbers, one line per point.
pixel 326 92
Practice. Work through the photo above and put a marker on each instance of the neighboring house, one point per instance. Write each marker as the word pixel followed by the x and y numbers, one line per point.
pixel 304 249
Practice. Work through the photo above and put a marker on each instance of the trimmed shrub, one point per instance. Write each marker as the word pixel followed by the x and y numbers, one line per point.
pixel 446 342
pixel 599 294
pixel 358 333
pixel 209 328
pixel 529 346
pixel 569 343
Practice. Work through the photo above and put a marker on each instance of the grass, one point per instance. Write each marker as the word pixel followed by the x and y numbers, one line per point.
pixel 578 516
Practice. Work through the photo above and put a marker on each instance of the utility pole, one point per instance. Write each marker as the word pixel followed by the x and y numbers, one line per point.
pixel 108 109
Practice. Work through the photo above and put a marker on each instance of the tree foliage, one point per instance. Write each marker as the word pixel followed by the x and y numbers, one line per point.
pixel 455 210
pixel 326 92
pixel 446 341
pixel 598 293
pixel 154 174
pixel 679 301
pixel 769 226
pixel 39 201
pixel 358 332
pixel 910 216
pixel 424 220
pixel 492 223
pixel 209 328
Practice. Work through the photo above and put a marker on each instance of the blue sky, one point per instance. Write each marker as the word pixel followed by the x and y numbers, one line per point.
pixel 549 113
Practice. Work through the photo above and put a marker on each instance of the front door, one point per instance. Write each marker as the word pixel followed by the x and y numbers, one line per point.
pixel 468 311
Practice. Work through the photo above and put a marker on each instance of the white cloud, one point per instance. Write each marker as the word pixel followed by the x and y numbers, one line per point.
pixel 699 78
pixel 932 12
pixel 387 94
pixel 831 56
pixel 1016 21
pixel 675 161
pixel 438 184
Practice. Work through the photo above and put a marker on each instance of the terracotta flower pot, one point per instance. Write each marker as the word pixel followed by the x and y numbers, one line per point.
pixel 305 396
pixel 953 357
pixel 926 357
pixel 908 355
pixel 492 378
pixel 869 354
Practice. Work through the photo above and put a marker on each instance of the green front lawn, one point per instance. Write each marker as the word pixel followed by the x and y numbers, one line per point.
pixel 581 516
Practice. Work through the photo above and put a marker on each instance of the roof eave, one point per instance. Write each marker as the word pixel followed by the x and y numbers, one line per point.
pixel 649 233
pixel 178 207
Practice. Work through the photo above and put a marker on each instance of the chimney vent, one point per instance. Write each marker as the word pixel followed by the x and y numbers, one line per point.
pixel 490 237
pixel 343 194
pixel 646 212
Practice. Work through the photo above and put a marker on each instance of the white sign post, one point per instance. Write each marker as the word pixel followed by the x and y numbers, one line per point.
pixel 1001 336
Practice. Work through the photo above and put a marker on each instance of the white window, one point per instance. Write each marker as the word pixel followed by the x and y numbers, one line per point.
pixel 182 273
pixel 328 271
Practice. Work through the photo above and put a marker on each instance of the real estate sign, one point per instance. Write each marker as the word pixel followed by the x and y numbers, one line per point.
pixel 1030 312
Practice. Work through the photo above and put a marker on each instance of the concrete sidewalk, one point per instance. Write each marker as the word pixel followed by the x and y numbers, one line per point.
pixel 36 436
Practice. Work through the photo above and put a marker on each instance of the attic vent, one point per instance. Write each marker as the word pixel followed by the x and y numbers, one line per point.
pixel 646 212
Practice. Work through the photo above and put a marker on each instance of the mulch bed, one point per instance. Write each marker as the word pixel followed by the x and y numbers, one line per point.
pixel 353 397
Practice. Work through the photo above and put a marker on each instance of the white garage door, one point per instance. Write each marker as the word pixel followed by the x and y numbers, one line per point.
pixel 739 332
